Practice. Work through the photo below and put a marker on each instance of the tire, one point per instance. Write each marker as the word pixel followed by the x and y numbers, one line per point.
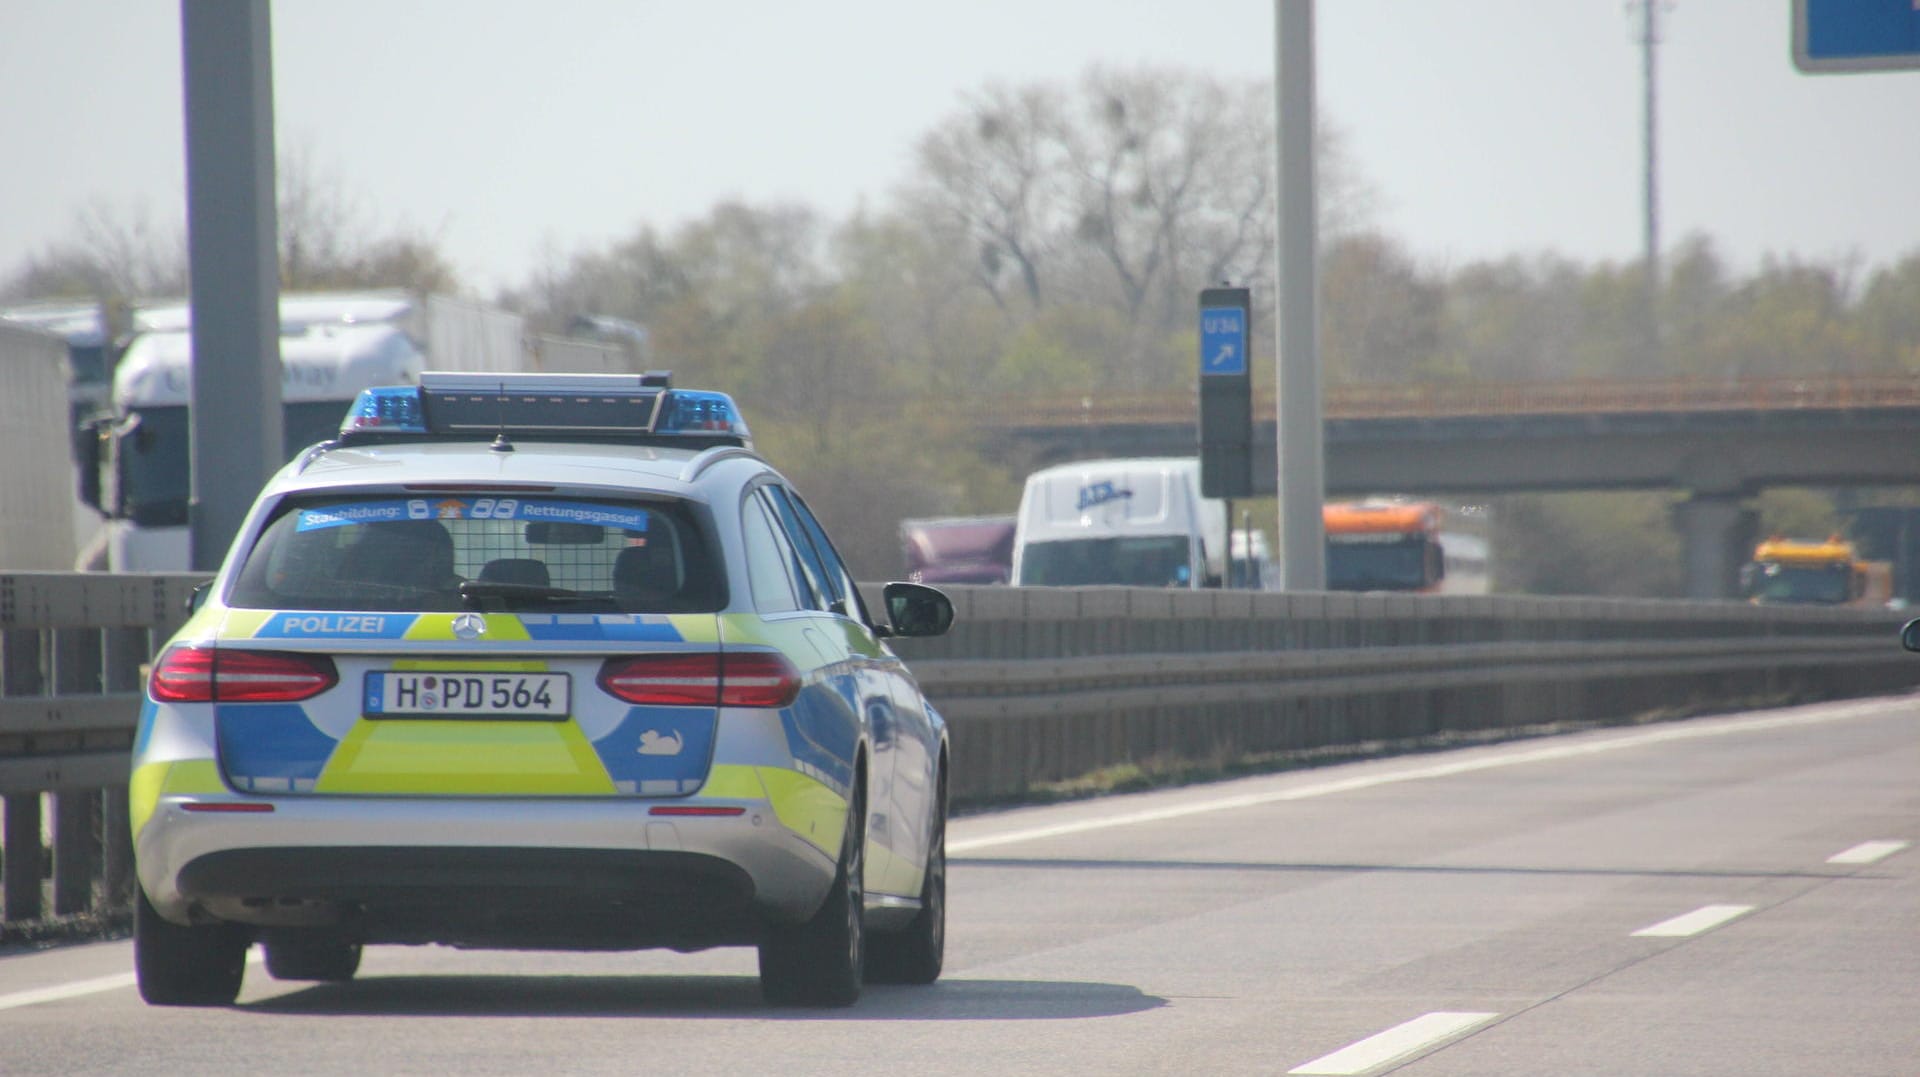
pixel 301 956
pixel 822 961
pixel 915 955
pixel 186 966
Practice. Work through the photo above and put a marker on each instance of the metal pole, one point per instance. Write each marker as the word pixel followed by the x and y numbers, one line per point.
pixel 233 270
pixel 1649 47
pixel 1302 471
pixel 1227 582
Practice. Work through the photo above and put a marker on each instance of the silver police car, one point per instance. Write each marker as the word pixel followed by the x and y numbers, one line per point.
pixel 539 662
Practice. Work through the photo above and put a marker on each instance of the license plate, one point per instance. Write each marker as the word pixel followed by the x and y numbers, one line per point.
pixel 427 694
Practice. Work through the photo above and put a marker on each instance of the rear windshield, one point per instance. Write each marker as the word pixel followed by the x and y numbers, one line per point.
pixel 506 554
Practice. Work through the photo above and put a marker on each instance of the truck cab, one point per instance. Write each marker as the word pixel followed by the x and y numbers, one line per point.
pixel 1383 546
pixel 135 467
pixel 1797 572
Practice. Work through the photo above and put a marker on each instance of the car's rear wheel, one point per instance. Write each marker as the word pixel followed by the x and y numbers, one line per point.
pixel 186 966
pixel 305 956
pixel 821 962
pixel 915 955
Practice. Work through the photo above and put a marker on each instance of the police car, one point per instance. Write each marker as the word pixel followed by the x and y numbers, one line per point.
pixel 539 662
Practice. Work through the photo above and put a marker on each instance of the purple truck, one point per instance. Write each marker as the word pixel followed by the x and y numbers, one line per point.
pixel 958 549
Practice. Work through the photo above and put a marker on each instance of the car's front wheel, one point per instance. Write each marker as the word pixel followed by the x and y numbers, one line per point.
pixel 821 962
pixel 186 966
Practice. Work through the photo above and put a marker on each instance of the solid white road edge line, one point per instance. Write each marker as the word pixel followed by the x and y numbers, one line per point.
pixel 1867 852
pixel 1699 921
pixel 1437 770
pixel 1394 1044
pixel 81 988
pixel 66 991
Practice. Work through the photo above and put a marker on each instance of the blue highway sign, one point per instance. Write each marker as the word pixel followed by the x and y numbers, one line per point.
pixel 1223 341
pixel 1856 35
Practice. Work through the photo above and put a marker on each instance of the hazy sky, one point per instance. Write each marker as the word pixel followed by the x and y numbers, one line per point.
pixel 513 131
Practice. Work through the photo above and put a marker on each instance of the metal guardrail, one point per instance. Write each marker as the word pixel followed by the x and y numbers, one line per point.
pixel 71 648
pixel 1039 686
pixel 1044 686
pixel 1360 400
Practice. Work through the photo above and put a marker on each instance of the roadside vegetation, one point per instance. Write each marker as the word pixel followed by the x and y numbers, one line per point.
pixel 1050 239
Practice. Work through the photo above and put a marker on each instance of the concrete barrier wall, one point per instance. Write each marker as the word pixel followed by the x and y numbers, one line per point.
pixel 1039 686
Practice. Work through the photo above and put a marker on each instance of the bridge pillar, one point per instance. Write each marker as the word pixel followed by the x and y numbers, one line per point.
pixel 1717 533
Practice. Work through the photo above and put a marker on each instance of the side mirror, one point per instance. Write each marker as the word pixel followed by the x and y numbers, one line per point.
pixel 1910 636
pixel 198 597
pixel 914 609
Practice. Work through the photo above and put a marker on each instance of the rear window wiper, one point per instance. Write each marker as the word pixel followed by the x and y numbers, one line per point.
pixel 472 591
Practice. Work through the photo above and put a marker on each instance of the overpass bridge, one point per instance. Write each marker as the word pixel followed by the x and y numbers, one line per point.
pixel 1721 442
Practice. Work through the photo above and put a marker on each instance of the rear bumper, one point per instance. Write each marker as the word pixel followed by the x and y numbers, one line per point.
pixel 521 874
pixel 560 899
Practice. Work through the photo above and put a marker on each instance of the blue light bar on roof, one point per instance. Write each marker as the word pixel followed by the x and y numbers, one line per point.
pixel 690 411
pixel 390 410
pixel 576 406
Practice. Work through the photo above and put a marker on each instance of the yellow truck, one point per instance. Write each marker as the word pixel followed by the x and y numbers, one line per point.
pixel 1828 573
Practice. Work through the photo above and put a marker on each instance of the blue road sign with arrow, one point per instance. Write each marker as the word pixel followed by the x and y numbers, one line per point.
pixel 1223 341
pixel 1855 35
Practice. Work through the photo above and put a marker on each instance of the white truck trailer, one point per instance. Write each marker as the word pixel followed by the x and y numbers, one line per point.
pixel 37 507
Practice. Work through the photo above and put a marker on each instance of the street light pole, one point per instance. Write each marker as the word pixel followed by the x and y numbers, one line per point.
pixel 1302 471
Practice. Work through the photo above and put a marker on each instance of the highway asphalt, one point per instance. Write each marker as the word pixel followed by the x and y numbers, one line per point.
pixel 1734 895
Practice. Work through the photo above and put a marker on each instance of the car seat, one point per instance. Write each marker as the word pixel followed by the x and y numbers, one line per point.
pixel 414 554
pixel 528 571
pixel 646 576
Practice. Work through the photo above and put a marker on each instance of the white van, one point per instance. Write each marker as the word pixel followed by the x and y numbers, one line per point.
pixel 1134 523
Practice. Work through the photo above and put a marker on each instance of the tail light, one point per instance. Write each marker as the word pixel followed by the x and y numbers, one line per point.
pixel 706 679
pixel 219 675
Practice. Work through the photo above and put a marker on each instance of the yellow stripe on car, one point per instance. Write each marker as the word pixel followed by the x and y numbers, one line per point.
pixel 806 807
pixel 438 628
pixel 696 627
pixel 151 781
pixel 239 624
pixel 801 804
pixel 458 758
pixel 733 782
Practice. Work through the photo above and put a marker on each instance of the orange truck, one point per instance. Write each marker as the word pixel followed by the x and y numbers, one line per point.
pixel 1383 546
pixel 1830 573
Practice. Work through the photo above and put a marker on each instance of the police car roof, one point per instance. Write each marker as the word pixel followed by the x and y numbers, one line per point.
pixel 667 469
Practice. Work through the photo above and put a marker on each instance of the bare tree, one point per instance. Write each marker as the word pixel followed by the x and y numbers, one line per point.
pixel 996 170
pixel 327 237
pixel 1170 178
pixel 1131 190
pixel 326 240
pixel 112 255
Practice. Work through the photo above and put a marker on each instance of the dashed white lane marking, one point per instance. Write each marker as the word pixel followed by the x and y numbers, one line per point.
pixel 1867 852
pixel 1437 770
pixel 82 988
pixel 1700 920
pixel 1395 1043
